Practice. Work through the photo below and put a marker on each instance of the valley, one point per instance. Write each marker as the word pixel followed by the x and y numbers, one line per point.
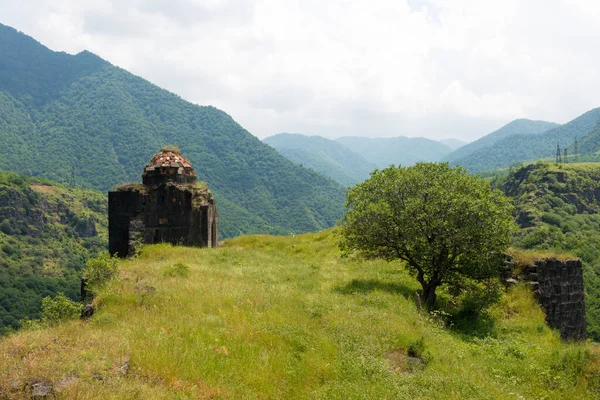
pixel 282 308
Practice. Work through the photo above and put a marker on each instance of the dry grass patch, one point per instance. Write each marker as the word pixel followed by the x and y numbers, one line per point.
pixel 523 258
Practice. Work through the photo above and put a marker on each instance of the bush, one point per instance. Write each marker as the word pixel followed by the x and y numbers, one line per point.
pixel 472 316
pixel 416 348
pixel 58 309
pixel 478 299
pixel 30 324
pixel 99 270
pixel 177 269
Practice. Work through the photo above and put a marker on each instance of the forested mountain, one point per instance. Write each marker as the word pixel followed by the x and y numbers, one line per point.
pixel 398 150
pixel 521 147
pixel 79 119
pixel 590 143
pixel 47 232
pixel 557 208
pixel 516 127
pixel 326 156
pixel 453 143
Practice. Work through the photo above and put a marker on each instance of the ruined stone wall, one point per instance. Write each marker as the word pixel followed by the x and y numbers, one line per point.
pixel 123 207
pixel 561 294
pixel 165 213
pixel 558 286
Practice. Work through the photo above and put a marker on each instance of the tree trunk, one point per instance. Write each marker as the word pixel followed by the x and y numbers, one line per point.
pixel 429 295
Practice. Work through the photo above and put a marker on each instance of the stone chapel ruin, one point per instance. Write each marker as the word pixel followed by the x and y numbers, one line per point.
pixel 169 206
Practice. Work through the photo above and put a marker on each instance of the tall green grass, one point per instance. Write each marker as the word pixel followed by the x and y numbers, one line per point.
pixel 286 317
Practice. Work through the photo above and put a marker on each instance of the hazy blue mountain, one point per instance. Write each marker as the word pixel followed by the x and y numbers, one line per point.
pixel 398 150
pixel 516 127
pixel 525 147
pixel 79 119
pixel 453 143
pixel 326 156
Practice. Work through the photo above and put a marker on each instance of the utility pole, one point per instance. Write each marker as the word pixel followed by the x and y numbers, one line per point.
pixel 576 150
pixel 558 154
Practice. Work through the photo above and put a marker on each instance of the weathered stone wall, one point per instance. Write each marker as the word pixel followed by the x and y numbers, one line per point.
pixel 167 212
pixel 561 294
pixel 123 207
pixel 558 285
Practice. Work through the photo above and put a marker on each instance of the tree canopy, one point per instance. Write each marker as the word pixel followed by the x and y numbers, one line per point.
pixel 445 224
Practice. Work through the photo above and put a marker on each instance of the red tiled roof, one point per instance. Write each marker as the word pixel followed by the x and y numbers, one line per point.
pixel 170 159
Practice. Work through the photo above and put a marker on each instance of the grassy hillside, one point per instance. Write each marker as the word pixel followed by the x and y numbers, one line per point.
pixel 325 156
pixel 399 150
pixel 516 127
pixel 79 119
pixel 47 231
pixel 286 317
pixel 521 147
pixel 557 207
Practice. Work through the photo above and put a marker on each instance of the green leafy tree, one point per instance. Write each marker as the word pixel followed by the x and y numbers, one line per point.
pixel 446 225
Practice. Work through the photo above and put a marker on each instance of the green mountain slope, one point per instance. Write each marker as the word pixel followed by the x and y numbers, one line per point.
pixel 557 207
pixel 325 156
pixel 288 318
pixel 520 147
pixel 399 150
pixel 47 232
pixel 590 143
pixel 516 127
pixel 79 119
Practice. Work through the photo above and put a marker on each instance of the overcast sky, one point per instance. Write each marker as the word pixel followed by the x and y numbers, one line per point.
pixel 433 68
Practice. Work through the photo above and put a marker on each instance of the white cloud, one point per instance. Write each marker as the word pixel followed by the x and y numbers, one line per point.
pixel 435 68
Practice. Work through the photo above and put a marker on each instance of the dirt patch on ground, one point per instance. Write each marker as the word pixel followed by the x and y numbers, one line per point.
pixel 44 188
pixel 402 363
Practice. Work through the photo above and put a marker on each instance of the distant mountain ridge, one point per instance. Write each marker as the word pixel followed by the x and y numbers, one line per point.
pixel 400 150
pixel 518 126
pixel 525 147
pixel 453 143
pixel 79 119
pixel 325 156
